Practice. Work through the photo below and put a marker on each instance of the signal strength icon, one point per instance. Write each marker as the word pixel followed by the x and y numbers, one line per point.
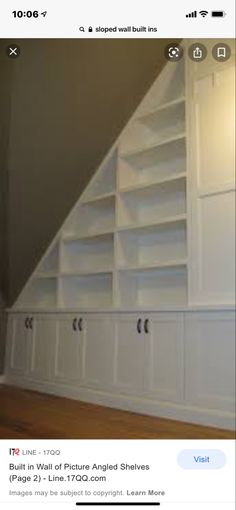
pixel 192 14
pixel 203 13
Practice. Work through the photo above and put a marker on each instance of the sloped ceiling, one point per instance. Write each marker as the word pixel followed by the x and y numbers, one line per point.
pixel 69 101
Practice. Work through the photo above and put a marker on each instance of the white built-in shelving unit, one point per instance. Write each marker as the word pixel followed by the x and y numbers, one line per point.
pixel 125 242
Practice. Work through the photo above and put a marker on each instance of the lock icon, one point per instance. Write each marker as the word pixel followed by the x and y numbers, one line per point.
pixel 90 29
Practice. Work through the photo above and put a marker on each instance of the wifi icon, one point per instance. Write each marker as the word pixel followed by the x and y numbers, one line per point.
pixel 203 13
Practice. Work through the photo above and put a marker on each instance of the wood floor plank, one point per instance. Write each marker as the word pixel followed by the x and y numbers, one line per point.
pixel 31 415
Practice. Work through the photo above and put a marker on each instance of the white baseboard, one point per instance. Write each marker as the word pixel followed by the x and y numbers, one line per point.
pixel 175 411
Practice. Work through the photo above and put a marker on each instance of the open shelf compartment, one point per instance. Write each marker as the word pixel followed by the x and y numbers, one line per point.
pixel 91 218
pixel 158 287
pixel 156 127
pixel 166 122
pixel 89 254
pixel 152 163
pixel 152 245
pixel 93 291
pixel 152 204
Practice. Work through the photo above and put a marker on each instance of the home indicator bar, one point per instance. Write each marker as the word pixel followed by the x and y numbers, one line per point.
pixel 118 504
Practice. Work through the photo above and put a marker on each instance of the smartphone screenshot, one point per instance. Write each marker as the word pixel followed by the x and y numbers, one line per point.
pixel 117 255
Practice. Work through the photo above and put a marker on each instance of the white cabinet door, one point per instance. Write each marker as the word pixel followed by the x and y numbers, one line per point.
pixel 213 255
pixel 42 348
pixel 211 204
pixel 129 354
pixel 210 359
pixel 98 362
pixel 149 357
pixel 164 369
pixel 17 355
pixel 69 349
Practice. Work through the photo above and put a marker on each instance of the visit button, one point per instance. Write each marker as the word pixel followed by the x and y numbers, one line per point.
pixel 201 459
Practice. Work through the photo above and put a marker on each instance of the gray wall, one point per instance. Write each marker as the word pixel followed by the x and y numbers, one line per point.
pixel 5 80
pixel 70 99
pixel 2 332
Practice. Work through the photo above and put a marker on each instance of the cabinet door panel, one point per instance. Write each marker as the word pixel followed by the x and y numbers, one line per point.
pixel 165 360
pixel 42 349
pixel 210 360
pixel 216 257
pixel 18 346
pixel 69 351
pixel 129 355
pixel 98 365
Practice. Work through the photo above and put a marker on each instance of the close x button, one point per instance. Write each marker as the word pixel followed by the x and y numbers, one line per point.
pixel 13 51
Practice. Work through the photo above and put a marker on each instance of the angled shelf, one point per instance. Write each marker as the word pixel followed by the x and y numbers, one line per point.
pixel 88 272
pixel 39 293
pixel 162 107
pixel 146 153
pixel 154 265
pixel 155 224
pixel 50 262
pixel 51 274
pixel 152 183
pixel 66 238
pixel 104 181
pixel 98 198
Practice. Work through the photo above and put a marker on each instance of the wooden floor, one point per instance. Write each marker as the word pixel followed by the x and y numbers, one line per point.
pixel 30 415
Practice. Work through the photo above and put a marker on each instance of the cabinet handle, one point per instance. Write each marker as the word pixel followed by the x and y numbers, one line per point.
pixel 146 325
pixel 74 324
pixel 139 326
pixel 80 324
pixel 27 323
pixel 31 321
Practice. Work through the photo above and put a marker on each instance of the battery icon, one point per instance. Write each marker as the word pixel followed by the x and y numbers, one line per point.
pixel 218 14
